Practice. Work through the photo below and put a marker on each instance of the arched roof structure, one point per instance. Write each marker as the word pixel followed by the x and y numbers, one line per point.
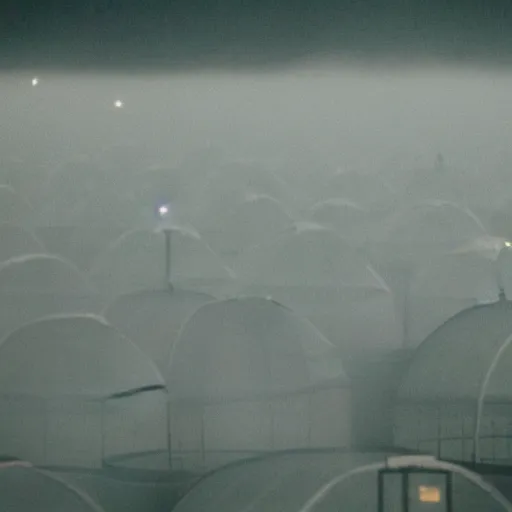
pixel 152 319
pixel 456 390
pixel 320 276
pixel 310 254
pixel 73 389
pixel 257 219
pixel 26 489
pixel 348 218
pixel 249 376
pixel 136 261
pixel 17 241
pixel 13 207
pixel 94 360
pixel 38 285
pixel 448 283
pixel 415 233
pixel 231 185
pixel 324 482
pixel 249 347
pixel 371 190
pixel 42 272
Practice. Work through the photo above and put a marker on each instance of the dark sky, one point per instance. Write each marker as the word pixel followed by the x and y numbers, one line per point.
pixel 186 33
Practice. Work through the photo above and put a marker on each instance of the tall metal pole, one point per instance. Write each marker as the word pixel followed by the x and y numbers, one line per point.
pixel 169 430
pixel 167 234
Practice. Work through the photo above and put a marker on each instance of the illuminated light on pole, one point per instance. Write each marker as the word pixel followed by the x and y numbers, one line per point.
pixel 163 211
pixel 164 215
pixel 35 81
pixel 118 104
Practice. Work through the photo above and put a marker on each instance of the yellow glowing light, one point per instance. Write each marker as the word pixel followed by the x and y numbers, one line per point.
pixel 508 244
pixel 428 494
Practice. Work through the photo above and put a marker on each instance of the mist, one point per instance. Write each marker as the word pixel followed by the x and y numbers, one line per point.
pixel 289 250
pixel 360 117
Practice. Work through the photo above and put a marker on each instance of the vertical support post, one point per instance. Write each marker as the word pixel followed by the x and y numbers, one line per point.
pixel 203 440
pixel 493 440
pixel 405 491
pixel 508 440
pixel 462 436
pixel 310 421
pixel 45 434
pixel 380 491
pixel 481 399
pixel 439 432
pixel 169 440
pixel 405 313
pixel 167 234
pixel 404 288
pixel 449 491
pixel 273 406
pixel 102 427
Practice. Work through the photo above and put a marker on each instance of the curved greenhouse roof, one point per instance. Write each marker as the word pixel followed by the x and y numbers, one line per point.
pixel 454 397
pixel 63 194
pixel 320 276
pixel 247 348
pixel 452 362
pixel 486 247
pixel 249 376
pixel 173 184
pixel 35 286
pixel 505 270
pixel 136 261
pixel 234 183
pixel 245 177
pixel 75 392
pixel 113 197
pixel 348 218
pixel 117 208
pixel 17 241
pixel 431 226
pixel 26 489
pixel 13 207
pixel 446 284
pixel 41 273
pixel 152 319
pixel 325 482
pixel 309 255
pixel 95 361
pixel 24 175
pixel 445 184
pixel 254 221
pixel 369 189
pixel 83 244
pixel 457 276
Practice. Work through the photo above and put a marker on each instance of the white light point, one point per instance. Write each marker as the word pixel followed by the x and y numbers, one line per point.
pixel 163 210
pixel 118 104
pixel 35 81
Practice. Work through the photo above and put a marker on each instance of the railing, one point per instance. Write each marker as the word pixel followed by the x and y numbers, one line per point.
pixel 192 425
pixel 448 430
pixel 468 442
pixel 44 429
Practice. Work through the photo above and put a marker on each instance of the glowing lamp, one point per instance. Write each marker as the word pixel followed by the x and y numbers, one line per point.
pixel 163 210
pixel 429 494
